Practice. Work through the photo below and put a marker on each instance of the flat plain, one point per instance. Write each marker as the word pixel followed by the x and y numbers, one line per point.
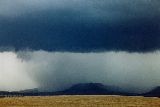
pixel 80 101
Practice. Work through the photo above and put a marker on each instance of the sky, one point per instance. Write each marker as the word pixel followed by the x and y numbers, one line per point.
pixel 53 44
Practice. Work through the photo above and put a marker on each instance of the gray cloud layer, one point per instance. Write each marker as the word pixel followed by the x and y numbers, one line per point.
pixel 134 72
pixel 80 25
pixel 100 9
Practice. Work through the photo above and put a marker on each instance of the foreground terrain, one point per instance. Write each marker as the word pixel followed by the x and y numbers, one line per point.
pixel 79 101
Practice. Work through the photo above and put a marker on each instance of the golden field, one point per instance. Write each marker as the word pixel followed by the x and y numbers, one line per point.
pixel 80 101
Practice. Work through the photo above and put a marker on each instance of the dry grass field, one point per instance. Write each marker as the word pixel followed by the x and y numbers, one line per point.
pixel 79 101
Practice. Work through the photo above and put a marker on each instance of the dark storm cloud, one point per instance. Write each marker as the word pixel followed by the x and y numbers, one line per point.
pixel 80 25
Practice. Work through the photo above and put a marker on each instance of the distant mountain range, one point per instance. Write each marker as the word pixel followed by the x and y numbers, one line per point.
pixel 93 89
pixel 35 90
pixel 153 93
pixel 84 89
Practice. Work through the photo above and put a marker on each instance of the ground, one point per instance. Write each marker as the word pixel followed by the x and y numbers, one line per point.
pixel 80 101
